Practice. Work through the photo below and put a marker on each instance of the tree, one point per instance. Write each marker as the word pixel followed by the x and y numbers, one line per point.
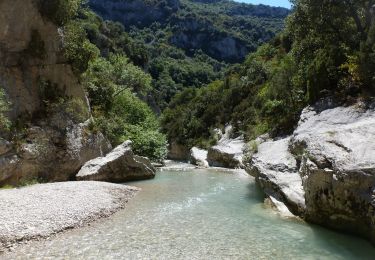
pixel 59 11
pixel 328 36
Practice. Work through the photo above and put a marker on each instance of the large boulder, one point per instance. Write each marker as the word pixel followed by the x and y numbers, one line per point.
pixel 276 171
pixel 178 152
pixel 198 157
pixel 118 166
pixel 337 152
pixel 331 155
pixel 227 152
pixel 5 146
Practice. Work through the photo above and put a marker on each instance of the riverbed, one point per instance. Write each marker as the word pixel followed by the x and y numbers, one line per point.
pixel 198 214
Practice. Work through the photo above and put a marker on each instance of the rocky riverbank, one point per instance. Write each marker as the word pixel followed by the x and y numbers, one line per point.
pixel 325 171
pixel 43 210
pixel 227 153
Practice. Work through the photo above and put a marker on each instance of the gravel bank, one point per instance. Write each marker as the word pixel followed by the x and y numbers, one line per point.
pixel 42 210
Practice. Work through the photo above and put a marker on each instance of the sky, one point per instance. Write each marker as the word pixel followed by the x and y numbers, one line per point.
pixel 283 3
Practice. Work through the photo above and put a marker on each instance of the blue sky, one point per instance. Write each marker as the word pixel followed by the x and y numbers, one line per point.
pixel 283 3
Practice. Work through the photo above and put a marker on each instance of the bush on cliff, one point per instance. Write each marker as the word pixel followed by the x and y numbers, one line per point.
pixel 113 85
pixel 98 53
pixel 59 11
pixel 4 108
pixel 131 118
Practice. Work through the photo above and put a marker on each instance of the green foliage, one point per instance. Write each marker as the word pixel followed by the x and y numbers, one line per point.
pixel 108 78
pixel 7 187
pixel 77 49
pixel 326 49
pixel 130 118
pixel 4 108
pixel 29 182
pixel 59 11
pixel 148 142
pixel 113 81
pixel 110 37
pixel 336 54
pixel 180 40
pixel 55 101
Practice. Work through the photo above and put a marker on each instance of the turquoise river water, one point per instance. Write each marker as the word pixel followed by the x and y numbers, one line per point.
pixel 198 214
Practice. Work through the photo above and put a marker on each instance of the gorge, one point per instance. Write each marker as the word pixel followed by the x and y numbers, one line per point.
pixel 269 111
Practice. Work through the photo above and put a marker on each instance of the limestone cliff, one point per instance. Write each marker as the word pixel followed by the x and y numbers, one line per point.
pixel 325 171
pixel 53 145
pixel 206 25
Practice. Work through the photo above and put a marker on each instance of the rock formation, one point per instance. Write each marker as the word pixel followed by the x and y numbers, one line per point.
pixel 50 146
pixel 331 155
pixel 178 152
pixel 198 157
pixel 134 12
pixel 228 152
pixel 276 171
pixel 118 166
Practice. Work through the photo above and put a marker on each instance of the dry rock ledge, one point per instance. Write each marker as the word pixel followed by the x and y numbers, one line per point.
pixel 42 210
pixel 228 152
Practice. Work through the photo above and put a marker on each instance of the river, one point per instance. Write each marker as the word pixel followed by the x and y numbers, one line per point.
pixel 198 214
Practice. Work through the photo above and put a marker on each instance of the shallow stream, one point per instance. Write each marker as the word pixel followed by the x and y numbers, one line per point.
pixel 198 214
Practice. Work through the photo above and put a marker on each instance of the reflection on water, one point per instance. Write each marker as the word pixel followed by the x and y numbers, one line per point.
pixel 200 214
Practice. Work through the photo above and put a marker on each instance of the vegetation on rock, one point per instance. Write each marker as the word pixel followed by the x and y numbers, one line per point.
pixel 4 108
pixel 109 64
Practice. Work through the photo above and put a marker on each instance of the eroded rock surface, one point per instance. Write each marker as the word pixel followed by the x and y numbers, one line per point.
pixel 337 151
pixel 199 157
pixel 50 144
pixel 118 166
pixel 178 152
pixel 329 164
pixel 51 155
pixel 228 152
pixel 275 169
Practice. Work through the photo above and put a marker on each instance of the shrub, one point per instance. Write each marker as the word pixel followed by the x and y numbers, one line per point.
pixel 148 142
pixel 54 100
pixel 4 108
pixel 59 11
pixel 131 118
pixel 73 108
pixel 77 49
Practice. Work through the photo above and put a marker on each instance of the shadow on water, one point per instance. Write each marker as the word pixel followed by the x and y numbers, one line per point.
pixel 255 193
pixel 351 246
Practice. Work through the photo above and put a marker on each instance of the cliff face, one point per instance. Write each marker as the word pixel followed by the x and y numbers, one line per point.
pixel 324 172
pixel 140 13
pixel 49 146
pixel 30 51
pixel 200 25
pixel 192 34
